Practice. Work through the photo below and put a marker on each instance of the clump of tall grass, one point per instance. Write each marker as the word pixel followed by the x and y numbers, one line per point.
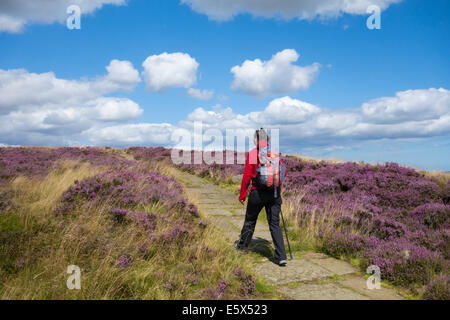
pixel 176 256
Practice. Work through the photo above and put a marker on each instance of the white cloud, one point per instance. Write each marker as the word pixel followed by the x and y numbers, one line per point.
pixel 287 110
pixel 169 70
pixel 20 89
pixel 200 94
pixel 408 105
pixel 115 109
pixel 46 110
pixel 219 117
pixel 301 125
pixel 275 76
pixel 215 116
pixel 15 14
pixel 222 10
pixel 131 134
pixel 304 124
pixel 43 109
pixel 10 24
pixel 121 76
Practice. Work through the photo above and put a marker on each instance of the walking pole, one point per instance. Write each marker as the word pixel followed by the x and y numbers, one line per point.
pixel 285 231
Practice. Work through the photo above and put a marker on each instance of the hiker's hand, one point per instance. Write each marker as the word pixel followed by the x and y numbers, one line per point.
pixel 242 201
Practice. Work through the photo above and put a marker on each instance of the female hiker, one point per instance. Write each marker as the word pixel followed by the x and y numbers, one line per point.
pixel 261 196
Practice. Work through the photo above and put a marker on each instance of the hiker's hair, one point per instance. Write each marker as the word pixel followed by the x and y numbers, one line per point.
pixel 261 135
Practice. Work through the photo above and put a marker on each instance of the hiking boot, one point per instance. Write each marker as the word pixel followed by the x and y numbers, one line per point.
pixel 238 247
pixel 282 263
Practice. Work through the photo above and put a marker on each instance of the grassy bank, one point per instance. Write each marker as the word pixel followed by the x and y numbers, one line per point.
pixel 126 249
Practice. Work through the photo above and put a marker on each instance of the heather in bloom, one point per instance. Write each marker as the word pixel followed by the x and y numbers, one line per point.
pixel 403 262
pixel 378 210
pixel 193 279
pixel 143 248
pixel 124 261
pixel 177 233
pixel 119 214
pixel 217 172
pixel 24 161
pixel 20 263
pixel 340 244
pixel 168 286
pixel 126 189
pixel 384 228
pixel 124 223
pixel 446 193
pixel 376 213
pixel 219 292
pixel 222 286
pixel 248 282
pixel 433 215
pixel 192 209
pixel 38 161
pixel 438 289
pixel 151 154
pixel 382 210
pixel 202 224
pixel 128 192
pixel 144 219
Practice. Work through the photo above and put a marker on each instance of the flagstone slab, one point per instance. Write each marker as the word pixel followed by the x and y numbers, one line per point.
pixel 295 271
pixel 327 291
pixel 238 212
pixel 207 193
pixel 216 196
pixel 217 212
pixel 212 205
pixel 238 221
pixel 315 255
pixel 359 284
pixel 224 224
pixel 264 234
pixel 228 199
pixel 206 201
pixel 336 266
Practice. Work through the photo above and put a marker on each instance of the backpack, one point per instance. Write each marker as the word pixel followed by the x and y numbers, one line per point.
pixel 270 172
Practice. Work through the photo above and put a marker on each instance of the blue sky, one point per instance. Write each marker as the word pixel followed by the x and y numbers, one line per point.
pixel 324 117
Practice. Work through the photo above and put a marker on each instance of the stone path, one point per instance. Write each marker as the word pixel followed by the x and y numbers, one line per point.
pixel 313 276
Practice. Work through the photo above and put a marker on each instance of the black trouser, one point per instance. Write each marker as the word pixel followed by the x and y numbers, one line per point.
pixel 256 201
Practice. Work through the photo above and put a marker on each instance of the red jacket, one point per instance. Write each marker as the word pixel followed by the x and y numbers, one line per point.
pixel 251 164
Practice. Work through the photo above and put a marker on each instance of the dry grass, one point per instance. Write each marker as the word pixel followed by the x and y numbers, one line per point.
pixel 46 245
pixel 304 224
pixel 41 195
pixel 310 159
pixel 440 177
